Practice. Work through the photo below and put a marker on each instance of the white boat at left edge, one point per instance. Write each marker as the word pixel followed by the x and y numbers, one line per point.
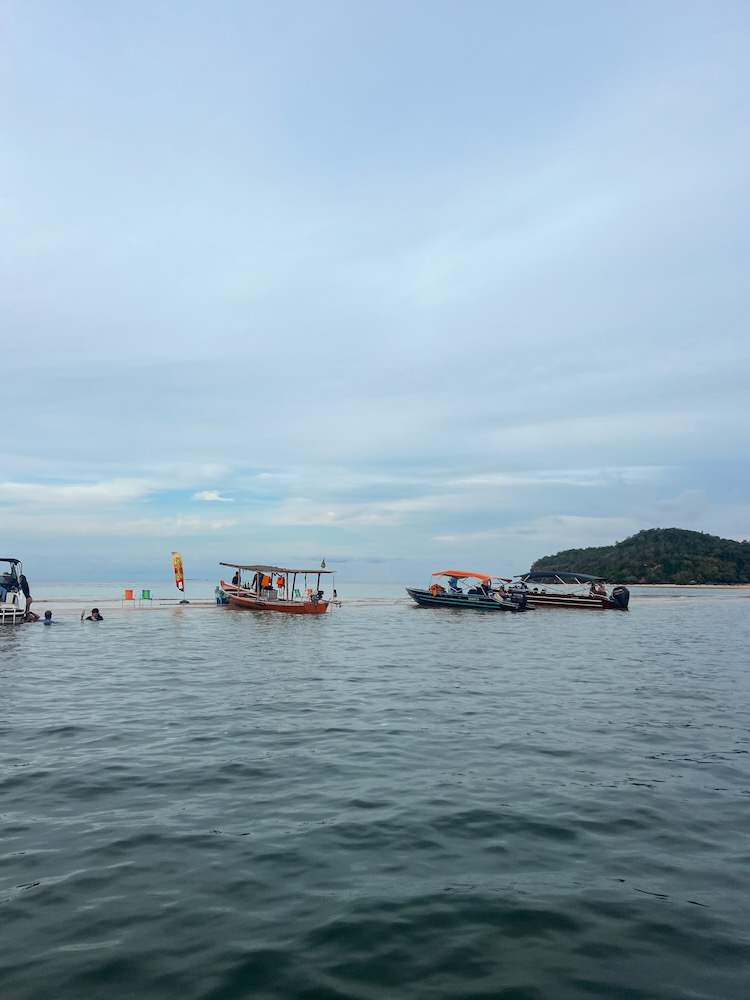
pixel 12 597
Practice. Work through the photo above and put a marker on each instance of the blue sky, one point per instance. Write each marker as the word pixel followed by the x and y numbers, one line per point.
pixel 399 285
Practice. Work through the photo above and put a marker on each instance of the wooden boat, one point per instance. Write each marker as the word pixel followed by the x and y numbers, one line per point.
pixel 480 597
pixel 12 599
pixel 274 588
pixel 553 589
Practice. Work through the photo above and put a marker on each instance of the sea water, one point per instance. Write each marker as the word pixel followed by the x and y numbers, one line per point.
pixel 387 801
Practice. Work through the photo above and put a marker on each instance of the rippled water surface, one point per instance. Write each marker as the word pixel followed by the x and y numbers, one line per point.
pixel 386 802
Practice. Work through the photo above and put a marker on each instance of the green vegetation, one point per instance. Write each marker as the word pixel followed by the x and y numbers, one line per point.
pixel 660 555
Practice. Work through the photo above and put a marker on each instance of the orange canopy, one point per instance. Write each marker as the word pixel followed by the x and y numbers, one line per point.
pixel 461 574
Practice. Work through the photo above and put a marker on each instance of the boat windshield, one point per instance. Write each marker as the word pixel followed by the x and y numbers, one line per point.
pixel 10 571
pixel 559 577
pixel 552 582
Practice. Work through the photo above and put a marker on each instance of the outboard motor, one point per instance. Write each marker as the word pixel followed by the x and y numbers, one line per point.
pixel 621 597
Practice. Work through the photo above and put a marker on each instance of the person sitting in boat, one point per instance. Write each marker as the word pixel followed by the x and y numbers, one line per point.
pixel 95 616
pixel 236 579
pixel 8 585
pixel 598 589
pixel 453 584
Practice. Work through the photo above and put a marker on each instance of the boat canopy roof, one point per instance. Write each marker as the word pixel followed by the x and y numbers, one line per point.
pixel 558 576
pixel 462 574
pixel 9 559
pixel 276 569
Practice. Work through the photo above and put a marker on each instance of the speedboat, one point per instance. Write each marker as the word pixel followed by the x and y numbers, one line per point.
pixel 479 596
pixel 556 589
pixel 12 600
pixel 274 588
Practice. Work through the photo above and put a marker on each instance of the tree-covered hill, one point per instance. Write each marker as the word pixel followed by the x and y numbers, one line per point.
pixel 660 555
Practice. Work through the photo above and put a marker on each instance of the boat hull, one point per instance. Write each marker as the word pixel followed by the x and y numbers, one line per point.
pixel 473 602
pixel 576 601
pixel 238 599
pixel 11 614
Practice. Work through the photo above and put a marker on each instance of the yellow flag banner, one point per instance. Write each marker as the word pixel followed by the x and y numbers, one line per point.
pixel 179 572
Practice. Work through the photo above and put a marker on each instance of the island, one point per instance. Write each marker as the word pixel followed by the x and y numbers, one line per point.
pixel 660 555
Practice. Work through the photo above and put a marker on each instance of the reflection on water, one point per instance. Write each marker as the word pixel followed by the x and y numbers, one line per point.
pixel 387 801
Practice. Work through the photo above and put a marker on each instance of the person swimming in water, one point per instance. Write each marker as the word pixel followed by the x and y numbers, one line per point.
pixel 47 618
pixel 95 616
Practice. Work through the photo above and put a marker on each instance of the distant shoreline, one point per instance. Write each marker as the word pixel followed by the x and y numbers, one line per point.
pixel 690 586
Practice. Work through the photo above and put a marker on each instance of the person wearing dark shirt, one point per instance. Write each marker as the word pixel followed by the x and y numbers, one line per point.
pixel 95 616
pixel 24 583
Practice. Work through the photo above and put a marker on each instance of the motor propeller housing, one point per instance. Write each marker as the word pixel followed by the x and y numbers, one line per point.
pixel 621 597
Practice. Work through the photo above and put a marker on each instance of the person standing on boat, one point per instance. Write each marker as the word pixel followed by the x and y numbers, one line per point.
pixel 25 590
pixel 236 579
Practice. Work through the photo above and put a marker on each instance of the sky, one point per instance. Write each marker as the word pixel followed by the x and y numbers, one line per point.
pixel 397 285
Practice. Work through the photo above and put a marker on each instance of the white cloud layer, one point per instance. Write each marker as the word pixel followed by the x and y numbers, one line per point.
pixel 71 495
pixel 211 496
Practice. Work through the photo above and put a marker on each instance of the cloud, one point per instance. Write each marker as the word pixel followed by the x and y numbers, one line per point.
pixel 211 496
pixel 551 532
pixel 544 478
pixel 64 526
pixel 103 493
